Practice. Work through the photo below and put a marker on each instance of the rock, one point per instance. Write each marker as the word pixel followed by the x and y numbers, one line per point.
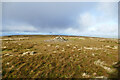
pixel 31 53
pixel 67 45
pixel 48 45
pixel 74 47
pixel 4 47
pixel 103 65
pixel 88 48
pixel 72 50
pixel 79 49
pixel 7 54
pixel 7 63
pixel 24 53
pixel 63 50
pixel 93 54
pixel 116 64
pixel 19 44
pixel 94 74
pixel 100 77
pixel 85 75
pixel 107 46
pixel 115 47
pixel 54 51
pixel 57 46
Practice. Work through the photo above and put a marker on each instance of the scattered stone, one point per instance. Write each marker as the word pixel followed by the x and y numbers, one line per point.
pixel 100 77
pixel 19 44
pixel 57 46
pixel 63 50
pixel 31 53
pixel 9 39
pixel 5 47
pixel 79 49
pixel 72 50
pixel 116 64
pixel 12 39
pixel 7 42
pixel 74 47
pixel 24 53
pixel 7 63
pixel 107 46
pixel 48 45
pixel 115 47
pixel 94 74
pixel 93 54
pixel 85 75
pixel 103 65
pixel 54 51
pixel 67 45
pixel 88 48
pixel 7 54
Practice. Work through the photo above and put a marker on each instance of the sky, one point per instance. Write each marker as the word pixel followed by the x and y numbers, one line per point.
pixel 96 19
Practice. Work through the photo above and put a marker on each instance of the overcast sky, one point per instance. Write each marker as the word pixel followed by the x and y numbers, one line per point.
pixel 76 18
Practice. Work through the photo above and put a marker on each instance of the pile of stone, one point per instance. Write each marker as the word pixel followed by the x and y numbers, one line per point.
pixel 60 39
pixel 57 39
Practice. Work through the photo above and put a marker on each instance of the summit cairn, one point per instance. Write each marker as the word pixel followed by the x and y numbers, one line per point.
pixel 60 39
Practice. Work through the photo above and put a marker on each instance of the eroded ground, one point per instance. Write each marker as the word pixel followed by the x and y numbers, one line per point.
pixel 79 57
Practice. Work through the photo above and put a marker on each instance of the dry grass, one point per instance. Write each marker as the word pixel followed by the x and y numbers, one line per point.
pixel 72 59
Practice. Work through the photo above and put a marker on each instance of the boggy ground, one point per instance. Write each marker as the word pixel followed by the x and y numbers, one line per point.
pixel 31 56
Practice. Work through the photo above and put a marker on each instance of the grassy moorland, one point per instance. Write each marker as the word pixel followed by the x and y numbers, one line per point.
pixel 78 57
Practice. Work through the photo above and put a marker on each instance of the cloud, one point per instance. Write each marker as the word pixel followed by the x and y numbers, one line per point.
pixel 82 18
pixel 107 11
pixel 20 28
pixel 86 20
pixel 104 22
pixel 48 16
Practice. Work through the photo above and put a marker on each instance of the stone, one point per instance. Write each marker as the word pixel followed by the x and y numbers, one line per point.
pixel 54 51
pixel 31 53
pixel 48 45
pixel 79 49
pixel 63 50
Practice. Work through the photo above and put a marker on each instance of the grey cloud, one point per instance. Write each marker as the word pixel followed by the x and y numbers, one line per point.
pixel 60 17
pixel 46 16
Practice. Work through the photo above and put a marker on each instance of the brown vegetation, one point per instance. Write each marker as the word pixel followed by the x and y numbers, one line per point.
pixel 79 57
